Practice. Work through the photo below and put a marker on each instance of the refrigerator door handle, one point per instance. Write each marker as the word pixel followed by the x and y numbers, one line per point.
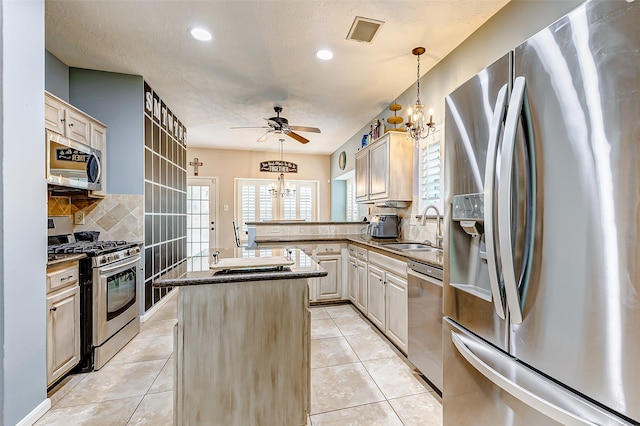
pixel 549 398
pixel 514 112
pixel 489 187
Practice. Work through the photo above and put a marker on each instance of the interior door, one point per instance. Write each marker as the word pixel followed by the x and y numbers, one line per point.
pixel 202 215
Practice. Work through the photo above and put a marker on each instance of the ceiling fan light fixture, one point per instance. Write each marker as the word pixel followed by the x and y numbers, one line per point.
pixel 324 54
pixel 200 34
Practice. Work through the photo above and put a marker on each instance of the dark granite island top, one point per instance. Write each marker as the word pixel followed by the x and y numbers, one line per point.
pixel 195 270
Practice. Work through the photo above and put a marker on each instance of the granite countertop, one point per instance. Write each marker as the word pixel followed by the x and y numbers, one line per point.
pixel 195 270
pixel 57 259
pixel 432 258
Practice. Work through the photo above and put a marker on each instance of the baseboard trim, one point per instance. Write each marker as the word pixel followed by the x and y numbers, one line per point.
pixel 152 310
pixel 36 413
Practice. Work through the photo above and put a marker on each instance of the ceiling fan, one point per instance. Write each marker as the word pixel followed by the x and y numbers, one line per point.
pixel 281 125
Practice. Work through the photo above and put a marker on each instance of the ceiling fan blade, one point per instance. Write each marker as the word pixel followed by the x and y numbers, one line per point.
pixel 305 129
pixel 249 127
pixel 297 137
pixel 265 136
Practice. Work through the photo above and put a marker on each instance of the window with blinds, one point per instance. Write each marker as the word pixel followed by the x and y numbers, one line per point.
pixel 352 206
pixel 431 172
pixel 255 202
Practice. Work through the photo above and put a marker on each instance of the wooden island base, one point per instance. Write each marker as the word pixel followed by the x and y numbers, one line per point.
pixel 242 353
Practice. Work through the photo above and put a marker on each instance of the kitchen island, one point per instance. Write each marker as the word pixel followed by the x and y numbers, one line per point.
pixel 242 340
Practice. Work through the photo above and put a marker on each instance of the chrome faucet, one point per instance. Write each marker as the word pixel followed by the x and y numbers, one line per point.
pixel 423 221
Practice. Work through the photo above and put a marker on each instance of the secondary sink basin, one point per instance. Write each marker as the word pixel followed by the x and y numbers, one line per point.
pixel 411 247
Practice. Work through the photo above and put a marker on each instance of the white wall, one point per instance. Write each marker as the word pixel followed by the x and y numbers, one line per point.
pixel 23 196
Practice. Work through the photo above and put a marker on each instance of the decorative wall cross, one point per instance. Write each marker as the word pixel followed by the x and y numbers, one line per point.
pixel 195 163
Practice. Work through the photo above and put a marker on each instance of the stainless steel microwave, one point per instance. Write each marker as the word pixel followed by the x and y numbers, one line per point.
pixel 72 164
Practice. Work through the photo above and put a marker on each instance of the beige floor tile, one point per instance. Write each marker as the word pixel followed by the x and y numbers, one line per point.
pixel 145 349
pixel 154 410
pixel 319 313
pixel 341 311
pixel 64 387
pixel 114 381
pixel 157 328
pixel 168 311
pixel 418 410
pixel 350 326
pixel 164 381
pixel 371 346
pixel 394 377
pixel 108 413
pixel 324 328
pixel 342 386
pixel 333 351
pixel 377 414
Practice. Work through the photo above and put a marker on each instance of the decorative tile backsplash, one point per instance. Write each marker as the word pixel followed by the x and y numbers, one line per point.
pixel 59 206
pixel 116 217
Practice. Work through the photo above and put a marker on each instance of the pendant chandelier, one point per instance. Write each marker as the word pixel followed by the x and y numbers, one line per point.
pixel 417 127
pixel 279 189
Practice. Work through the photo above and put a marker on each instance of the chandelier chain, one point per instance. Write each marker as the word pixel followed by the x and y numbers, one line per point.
pixel 418 80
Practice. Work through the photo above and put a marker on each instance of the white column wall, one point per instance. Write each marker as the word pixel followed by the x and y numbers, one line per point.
pixel 23 198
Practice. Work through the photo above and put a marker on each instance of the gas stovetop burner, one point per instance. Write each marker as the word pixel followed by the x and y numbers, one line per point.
pixel 91 248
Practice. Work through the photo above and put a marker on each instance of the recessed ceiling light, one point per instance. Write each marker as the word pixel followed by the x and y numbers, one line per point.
pixel 200 34
pixel 324 54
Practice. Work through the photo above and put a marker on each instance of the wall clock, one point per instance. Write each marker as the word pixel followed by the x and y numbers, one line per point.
pixel 342 160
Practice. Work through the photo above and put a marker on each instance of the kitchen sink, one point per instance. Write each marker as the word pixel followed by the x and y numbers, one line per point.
pixel 411 247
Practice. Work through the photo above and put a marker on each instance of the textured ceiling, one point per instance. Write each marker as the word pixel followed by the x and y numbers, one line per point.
pixel 262 54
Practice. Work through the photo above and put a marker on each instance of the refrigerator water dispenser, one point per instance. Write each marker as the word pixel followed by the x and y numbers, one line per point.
pixel 468 213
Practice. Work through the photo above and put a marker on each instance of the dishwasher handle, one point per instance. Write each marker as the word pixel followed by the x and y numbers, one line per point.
pixel 423 277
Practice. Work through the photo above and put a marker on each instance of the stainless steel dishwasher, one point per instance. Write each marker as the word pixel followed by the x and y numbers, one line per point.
pixel 425 320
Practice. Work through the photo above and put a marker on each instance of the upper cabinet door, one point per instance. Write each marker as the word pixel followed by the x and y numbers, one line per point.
pixel 379 170
pixel 78 127
pixel 54 115
pixel 362 176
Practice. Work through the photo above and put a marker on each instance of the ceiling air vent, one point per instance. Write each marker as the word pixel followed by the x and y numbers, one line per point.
pixel 364 30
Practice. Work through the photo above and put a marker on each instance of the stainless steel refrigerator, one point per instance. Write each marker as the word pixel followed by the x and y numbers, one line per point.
pixel 542 249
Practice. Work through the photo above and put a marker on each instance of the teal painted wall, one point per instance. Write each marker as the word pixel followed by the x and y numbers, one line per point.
pixel 117 101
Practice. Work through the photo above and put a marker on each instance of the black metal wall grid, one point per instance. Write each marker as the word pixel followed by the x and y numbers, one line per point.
pixel 165 193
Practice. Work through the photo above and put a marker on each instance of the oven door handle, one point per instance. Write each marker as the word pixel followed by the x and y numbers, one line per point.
pixel 102 270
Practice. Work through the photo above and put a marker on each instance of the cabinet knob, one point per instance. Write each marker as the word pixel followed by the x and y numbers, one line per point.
pixel 70 124
pixel 53 309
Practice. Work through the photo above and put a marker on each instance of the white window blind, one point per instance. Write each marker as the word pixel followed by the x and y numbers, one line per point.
pixel 255 203
pixel 431 172
pixel 305 202
pixel 352 206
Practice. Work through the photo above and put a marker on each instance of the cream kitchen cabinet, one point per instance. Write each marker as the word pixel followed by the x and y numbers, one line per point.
pixel 329 256
pixel 387 297
pixel 384 169
pixel 396 310
pixel 362 175
pixel 63 320
pixel 330 287
pixel 375 297
pixel 99 142
pixel 352 279
pixel 66 120
pixel 357 279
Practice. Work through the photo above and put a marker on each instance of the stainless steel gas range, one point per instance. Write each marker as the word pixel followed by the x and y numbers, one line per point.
pixel 109 281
